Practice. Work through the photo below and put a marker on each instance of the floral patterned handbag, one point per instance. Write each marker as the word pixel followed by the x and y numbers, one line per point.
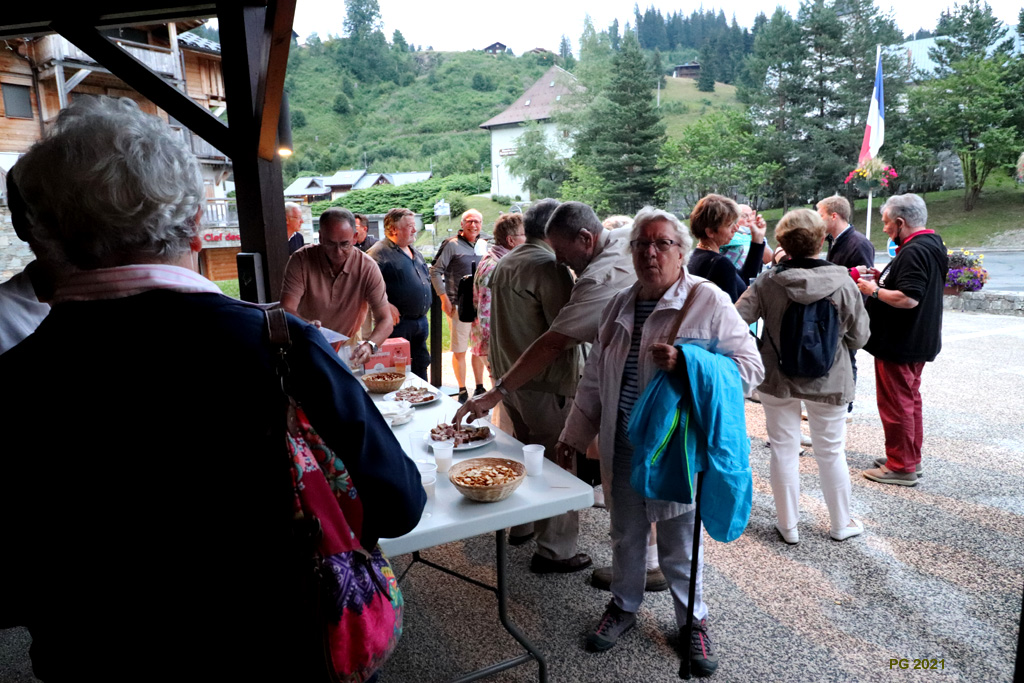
pixel 355 604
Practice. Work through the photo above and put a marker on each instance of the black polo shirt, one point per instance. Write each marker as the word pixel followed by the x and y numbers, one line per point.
pixel 407 280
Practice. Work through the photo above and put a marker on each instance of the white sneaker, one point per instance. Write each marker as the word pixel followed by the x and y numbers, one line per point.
pixel 599 496
pixel 790 536
pixel 805 441
pixel 854 528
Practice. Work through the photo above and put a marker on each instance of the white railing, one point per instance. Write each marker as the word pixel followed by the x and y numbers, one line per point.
pixel 220 213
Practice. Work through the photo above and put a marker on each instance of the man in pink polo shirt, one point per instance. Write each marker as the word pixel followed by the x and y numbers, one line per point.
pixel 333 284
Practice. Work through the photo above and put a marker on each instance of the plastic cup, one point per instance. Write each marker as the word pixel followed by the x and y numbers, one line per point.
pixel 533 454
pixel 426 468
pixel 429 481
pixel 443 456
pixel 401 362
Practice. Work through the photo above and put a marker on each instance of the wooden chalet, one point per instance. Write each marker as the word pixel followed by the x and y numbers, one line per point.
pixel 495 48
pixel 141 51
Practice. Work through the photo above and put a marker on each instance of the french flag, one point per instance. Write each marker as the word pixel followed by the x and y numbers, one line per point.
pixel 874 133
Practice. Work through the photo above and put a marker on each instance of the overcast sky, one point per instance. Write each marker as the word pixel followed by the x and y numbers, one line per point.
pixel 455 25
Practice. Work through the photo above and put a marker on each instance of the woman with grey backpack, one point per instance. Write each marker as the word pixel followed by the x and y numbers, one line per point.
pixel 813 317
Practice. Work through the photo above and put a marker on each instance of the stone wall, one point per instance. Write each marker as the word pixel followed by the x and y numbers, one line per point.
pixel 14 254
pixel 986 301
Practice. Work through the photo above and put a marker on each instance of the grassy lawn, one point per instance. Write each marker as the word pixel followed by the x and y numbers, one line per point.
pixel 999 209
pixel 682 103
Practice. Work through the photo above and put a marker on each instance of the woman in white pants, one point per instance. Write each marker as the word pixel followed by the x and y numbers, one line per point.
pixel 791 377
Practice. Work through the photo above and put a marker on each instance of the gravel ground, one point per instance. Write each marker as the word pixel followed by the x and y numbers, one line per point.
pixel 937 575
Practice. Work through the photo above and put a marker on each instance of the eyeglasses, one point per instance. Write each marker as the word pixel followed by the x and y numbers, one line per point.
pixel 644 245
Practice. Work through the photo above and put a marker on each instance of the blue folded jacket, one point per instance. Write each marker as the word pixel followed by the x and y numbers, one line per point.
pixel 674 438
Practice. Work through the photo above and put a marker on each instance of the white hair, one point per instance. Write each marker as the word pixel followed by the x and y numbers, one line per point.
pixel 649 214
pixel 111 185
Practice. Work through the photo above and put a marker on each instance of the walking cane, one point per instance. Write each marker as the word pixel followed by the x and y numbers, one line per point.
pixel 684 665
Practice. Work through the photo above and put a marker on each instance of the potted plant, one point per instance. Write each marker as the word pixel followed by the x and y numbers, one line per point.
pixel 966 272
pixel 872 175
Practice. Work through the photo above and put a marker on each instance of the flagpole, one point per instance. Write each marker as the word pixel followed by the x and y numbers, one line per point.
pixel 878 58
pixel 867 229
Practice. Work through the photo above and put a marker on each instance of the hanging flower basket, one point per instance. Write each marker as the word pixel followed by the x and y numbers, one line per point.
pixel 966 272
pixel 871 176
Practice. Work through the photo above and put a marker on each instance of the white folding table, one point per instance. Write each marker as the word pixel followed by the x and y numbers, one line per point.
pixel 449 516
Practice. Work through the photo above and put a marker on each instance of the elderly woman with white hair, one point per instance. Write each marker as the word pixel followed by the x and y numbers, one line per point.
pixel 629 351
pixel 146 502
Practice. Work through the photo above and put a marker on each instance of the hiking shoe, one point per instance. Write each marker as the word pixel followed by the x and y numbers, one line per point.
pixel 545 565
pixel 463 396
pixel 883 475
pixel 881 461
pixel 703 659
pixel 479 390
pixel 614 623
pixel 601 578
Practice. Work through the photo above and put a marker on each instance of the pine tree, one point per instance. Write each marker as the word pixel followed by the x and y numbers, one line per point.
pixel 706 82
pixel 623 134
pixel 774 84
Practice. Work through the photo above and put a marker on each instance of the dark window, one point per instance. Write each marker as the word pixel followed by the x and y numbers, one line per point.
pixel 17 103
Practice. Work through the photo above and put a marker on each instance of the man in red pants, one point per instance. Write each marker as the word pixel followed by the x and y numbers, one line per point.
pixel 905 306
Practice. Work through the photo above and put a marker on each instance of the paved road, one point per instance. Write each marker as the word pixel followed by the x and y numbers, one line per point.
pixel 1005 269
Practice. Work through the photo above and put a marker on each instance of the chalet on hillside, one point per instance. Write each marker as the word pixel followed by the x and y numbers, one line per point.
pixel 495 48
pixel 33 97
pixel 688 70
pixel 540 101
pixel 311 189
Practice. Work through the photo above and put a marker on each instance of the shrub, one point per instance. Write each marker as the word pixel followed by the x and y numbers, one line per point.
pixel 342 104
pixel 298 118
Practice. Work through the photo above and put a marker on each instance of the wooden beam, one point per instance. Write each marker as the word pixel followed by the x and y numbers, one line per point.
pixel 258 183
pixel 79 76
pixel 279 21
pixel 62 96
pixel 138 76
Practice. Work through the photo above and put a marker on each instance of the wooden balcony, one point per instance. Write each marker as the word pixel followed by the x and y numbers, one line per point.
pixel 220 213
pixel 54 48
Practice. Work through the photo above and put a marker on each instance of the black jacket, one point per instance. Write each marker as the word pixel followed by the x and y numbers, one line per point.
pixel 145 495
pixel 911 335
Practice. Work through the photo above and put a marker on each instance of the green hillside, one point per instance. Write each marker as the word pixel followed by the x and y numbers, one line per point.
pixel 432 121
pixel 682 103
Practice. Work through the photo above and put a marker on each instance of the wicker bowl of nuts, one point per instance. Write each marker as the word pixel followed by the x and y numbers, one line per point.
pixel 383 382
pixel 487 480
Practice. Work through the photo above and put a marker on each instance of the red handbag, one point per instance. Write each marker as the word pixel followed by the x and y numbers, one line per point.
pixel 354 601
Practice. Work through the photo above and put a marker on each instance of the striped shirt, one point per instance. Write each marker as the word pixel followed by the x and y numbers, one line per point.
pixel 629 390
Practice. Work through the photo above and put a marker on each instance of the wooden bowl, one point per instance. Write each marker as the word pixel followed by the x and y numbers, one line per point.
pixel 384 382
pixel 487 493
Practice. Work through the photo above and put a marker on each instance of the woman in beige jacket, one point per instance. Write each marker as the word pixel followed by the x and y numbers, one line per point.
pixel 806 279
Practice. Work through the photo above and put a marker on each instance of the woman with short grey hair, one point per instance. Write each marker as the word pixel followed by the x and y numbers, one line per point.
pixel 145 488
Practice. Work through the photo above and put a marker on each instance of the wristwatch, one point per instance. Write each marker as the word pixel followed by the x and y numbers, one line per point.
pixel 373 347
pixel 874 294
pixel 500 387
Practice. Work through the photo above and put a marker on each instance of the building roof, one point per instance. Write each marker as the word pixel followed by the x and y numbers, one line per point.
pixel 539 101
pixel 194 42
pixel 495 46
pixel 305 186
pixel 408 177
pixel 916 52
pixel 343 178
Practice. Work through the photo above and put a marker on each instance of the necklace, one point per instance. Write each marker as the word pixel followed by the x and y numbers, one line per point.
pixel 703 245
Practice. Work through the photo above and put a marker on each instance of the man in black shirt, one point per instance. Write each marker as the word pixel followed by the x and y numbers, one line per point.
pixel 363 240
pixel 905 307
pixel 846 246
pixel 407 282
